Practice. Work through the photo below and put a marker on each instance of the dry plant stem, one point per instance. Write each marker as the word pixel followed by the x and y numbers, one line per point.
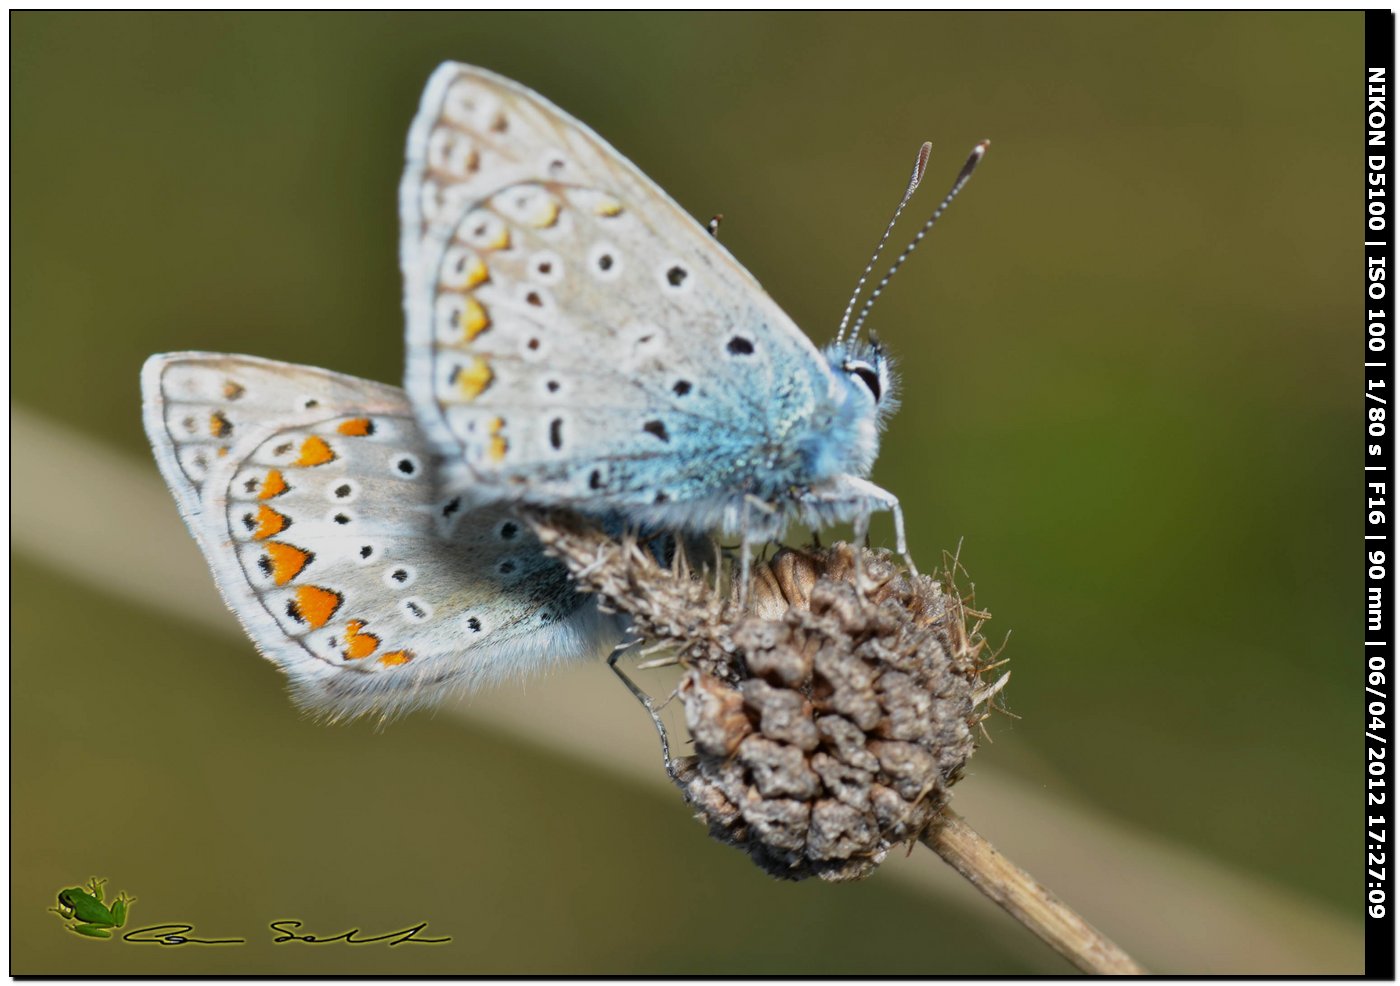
pixel 1018 893
pixel 831 704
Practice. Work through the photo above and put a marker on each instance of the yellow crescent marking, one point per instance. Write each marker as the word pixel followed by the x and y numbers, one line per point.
pixel 474 319
pixel 472 380
pixel 497 449
pixel 477 273
pixel 548 215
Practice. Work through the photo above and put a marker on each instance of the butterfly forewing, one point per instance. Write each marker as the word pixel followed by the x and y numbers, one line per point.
pixel 574 337
pixel 316 501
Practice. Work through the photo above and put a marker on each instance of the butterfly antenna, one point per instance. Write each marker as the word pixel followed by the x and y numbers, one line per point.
pixel 920 164
pixel 972 161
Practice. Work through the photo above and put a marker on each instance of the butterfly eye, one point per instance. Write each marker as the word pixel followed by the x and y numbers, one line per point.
pixel 867 375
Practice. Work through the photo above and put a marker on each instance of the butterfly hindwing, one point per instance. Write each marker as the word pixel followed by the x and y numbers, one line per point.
pixel 316 501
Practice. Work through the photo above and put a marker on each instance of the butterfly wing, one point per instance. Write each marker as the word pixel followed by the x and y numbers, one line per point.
pixel 315 499
pixel 573 336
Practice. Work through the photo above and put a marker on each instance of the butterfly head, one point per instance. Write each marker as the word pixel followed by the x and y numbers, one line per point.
pixel 869 375
pixel 863 393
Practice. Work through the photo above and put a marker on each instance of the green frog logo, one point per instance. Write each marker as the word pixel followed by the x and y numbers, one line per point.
pixel 85 912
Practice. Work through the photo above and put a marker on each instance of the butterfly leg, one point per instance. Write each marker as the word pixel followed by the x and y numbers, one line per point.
pixel 745 565
pixel 851 500
pixel 900 543
pixel 854 500
pixel 642 697
pixel 860 535
pixel 746 544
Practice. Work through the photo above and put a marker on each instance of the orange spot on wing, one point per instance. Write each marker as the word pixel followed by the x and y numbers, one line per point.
pixel 474 319
pixel 497 448
pixel 287 561
pixel 270 522
pixel 232 390
pixel 395 658
pixel 609 208
pixel 316 605
pixel 219 426
pixel 472 380
pixel 314 452
pixel 502 239
pixel 357 644
pixel 356 427
pixel 273 485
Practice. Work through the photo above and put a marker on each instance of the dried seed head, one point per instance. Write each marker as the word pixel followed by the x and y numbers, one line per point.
pixel 828 723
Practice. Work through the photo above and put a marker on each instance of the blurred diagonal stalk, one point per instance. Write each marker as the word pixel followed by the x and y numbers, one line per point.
pixel 1177 911
pixel 1018 893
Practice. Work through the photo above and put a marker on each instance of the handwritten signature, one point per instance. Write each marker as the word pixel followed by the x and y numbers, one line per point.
pixel 179 934
pixel 399 937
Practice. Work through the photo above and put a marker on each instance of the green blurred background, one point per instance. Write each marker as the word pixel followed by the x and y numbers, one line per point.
pixel 1131 392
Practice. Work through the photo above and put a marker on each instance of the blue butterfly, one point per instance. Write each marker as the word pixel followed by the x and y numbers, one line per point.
pixel 576 340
